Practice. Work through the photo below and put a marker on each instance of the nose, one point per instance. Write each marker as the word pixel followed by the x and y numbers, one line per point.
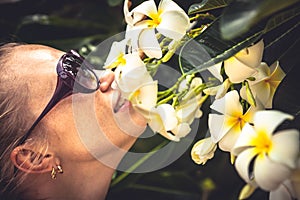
pixel 106 80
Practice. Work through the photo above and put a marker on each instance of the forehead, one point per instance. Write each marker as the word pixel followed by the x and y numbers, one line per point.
pixel 28 59
pixel 33 67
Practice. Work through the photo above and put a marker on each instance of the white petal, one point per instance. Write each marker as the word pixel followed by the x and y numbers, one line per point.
pixel 154 121
pixel 283 192
pixel 212 90
pixel 230 138
pixel 215 70
pixel 145 96
pixel 237 71
pixel 263 72
pixel 187 112
pixel 181 130
pixel 223 89
pixel 146 8
pixel 127 16
pixel 168 116
pixel 196 82
pixel 217 126
pixel 203 150
pixel 169 135
pixel 243 142
pixel 242 163
pixel 249 115
pixel 132 34
pixel 173 24
pixel 269 120
pixel 148 43
pixel 229 104
pixel 285 147
pixel 253 56
pixel 268 174
pixel 169 5
pixel 116 49
pixel 277 73
pixel 198 113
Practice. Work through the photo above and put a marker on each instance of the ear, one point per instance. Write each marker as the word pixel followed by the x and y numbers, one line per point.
pixel 30 161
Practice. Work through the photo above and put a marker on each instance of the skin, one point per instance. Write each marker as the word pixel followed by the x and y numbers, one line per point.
pixel 85 175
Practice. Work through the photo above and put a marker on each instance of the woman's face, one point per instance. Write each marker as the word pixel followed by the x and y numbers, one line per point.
pixel 82 128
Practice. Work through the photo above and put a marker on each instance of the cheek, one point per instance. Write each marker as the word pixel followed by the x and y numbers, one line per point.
pixel 130 122
pixel 119 126
pixel 64 137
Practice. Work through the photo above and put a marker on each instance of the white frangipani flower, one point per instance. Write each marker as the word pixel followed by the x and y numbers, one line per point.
pixel 226 127
pixel 266 81
pixel 162 119
pixel 215 70
pixel 284 191
pixel 168 19
pixel 243 65
pixel 131 74
pixel 189 109
pixel 144 98
pixel 218 91
pixel 116 55
pixel 203 150
pixel 273 155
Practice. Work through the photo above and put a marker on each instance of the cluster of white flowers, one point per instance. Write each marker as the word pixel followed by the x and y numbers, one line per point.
pixel 240 123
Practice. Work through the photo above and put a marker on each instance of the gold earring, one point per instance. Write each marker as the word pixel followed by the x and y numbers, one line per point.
pixel 59 169
pixel 54 171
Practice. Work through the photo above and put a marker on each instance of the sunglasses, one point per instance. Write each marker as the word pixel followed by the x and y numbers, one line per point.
pixel 74 75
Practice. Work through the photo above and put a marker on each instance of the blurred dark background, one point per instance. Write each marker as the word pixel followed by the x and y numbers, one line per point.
pixel 80 24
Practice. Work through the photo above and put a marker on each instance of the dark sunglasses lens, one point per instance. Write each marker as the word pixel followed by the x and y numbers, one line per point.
pixel 87 78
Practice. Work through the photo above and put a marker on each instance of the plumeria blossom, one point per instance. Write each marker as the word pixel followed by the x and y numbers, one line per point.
pixel 116 55
pixel 215 70
pixel 226 127
pixel 273 155
pixel 131 74
pixel 284 191
pixel 290 188
pixel 164 121
pixel 188 110
pixel 144 97
pixel 218 91
pixel 168 19
pixel 244 64
pixel 266 81
pixel 203 150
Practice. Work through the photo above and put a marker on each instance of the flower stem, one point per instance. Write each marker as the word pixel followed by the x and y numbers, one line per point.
pixel 138 163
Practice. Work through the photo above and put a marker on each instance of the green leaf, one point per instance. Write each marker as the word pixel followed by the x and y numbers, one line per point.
pixel 114 2
pixel 209 48
pixel 240 16
pixel 207 5
pixel 287 95
pixel 280 40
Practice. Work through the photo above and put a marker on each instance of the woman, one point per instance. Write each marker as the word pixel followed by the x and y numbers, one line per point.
pixel 53 149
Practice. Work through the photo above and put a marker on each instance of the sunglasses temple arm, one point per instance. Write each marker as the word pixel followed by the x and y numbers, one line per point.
pixel 60 93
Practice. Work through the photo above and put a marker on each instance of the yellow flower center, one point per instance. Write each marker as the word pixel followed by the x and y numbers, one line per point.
pixel 156 19
pixel 262 142
pixel 119 61
pixel 135 97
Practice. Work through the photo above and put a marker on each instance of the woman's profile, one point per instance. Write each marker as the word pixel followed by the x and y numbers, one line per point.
pixel 42 155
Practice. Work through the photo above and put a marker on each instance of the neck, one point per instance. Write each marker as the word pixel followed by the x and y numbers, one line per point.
pixel 75 183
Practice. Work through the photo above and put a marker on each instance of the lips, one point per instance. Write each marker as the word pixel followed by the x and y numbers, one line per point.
pixel 119 102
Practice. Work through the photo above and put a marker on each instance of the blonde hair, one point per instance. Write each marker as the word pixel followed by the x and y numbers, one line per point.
pixel 15 119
